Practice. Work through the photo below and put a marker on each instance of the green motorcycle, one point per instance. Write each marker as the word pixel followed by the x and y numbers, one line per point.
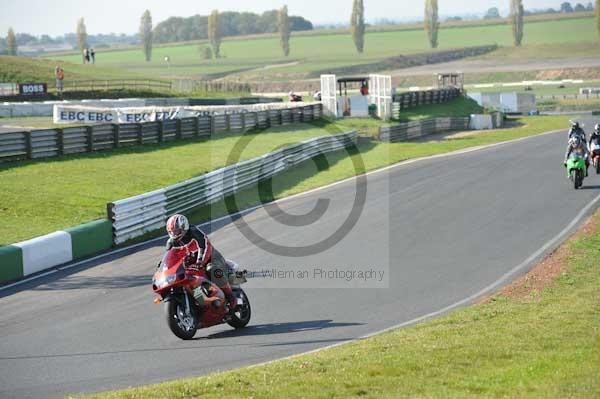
pixel 576 170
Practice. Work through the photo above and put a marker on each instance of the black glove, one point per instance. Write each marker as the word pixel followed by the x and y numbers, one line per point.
pixel 170 244
pixel 195 267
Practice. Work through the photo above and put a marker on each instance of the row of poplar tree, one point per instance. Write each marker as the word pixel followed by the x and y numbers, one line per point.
pixel 357 28
pixel 215 33
pixel 432 23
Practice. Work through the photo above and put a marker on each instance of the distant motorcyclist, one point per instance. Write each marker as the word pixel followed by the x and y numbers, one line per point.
pixel 293 97
pixel 182 234
pixel 594 143
pixel 578 146
pixel 576 130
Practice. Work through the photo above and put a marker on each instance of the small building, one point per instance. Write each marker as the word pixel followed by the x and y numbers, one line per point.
pixel 454 79
pixel 509 102
pixel 357 103
pixel 352 96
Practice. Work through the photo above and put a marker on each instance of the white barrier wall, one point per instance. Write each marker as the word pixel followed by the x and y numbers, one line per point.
pixel 45 108
pixel 481 122
pixel 44 252
pixel 510 102
pixel 65 114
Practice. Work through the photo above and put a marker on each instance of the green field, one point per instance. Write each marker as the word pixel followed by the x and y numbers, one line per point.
pixel 82 185
pixel 319 52
pixel 137 84
pixel 543 345
pixel 39 70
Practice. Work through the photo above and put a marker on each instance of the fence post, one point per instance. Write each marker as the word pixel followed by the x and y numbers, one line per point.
pixel 212 125
pixel 28 147
pixel 161 131
pixel 140 133
pixel 256 120
pixel 178 129
pixel 89 138
pixel 60 141
pixel 196 127
pixel 228 122
pixel 280 116
pixel 116 135
pixel 243 115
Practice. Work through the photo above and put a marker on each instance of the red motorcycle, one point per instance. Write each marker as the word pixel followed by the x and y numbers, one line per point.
pixel 595 155
pixel 191 300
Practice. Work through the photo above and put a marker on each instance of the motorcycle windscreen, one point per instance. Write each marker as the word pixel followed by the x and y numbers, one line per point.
pixel 174 257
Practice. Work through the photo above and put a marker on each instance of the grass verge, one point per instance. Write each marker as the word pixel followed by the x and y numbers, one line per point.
pixel 569 105
pixel 545 344
pixel 38 70
pixel 67 191
pixel 39 197
pixel 462 106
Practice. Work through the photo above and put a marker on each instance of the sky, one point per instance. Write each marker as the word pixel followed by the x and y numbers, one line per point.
pixel 57 17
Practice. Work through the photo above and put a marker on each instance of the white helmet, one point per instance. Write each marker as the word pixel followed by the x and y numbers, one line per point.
pixel 177 226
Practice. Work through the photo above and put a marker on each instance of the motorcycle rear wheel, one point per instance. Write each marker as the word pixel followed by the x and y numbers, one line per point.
pixel 179 323
pixel 241 316
pixel 574 179
pixel 597 166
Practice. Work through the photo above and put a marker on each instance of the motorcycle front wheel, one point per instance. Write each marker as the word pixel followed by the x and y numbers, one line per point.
pixel 241 316
pixel 578 179
pixel 183 325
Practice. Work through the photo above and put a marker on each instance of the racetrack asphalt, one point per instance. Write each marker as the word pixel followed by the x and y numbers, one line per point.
pixel 443 229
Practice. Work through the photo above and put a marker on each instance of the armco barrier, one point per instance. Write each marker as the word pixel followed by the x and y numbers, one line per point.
pixel 135 216
pixel 48 143
pixel 90 238
pixel 424 127
pixel 412 99
pixel 40 253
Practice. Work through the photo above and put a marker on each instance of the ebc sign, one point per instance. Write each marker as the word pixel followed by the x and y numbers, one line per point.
pixel 33 89
pixel 85 116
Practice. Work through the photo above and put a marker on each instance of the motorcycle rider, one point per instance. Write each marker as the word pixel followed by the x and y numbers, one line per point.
pixel 595 138
pixel 182 234
pixel 577 145
pixel 576 130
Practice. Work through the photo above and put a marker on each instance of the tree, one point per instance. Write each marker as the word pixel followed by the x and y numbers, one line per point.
pixel 214 33
pixel 432 22
pixel 579 7
pixel 146 34
pixel 81 34
pixel 492 13
pixel 205 52
pixel 175 29
pixel 516 20
pixel 598 15
pixel 11 42
pixel 357 25
pixel 283 23
pixel 590 7
pixel 566 7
